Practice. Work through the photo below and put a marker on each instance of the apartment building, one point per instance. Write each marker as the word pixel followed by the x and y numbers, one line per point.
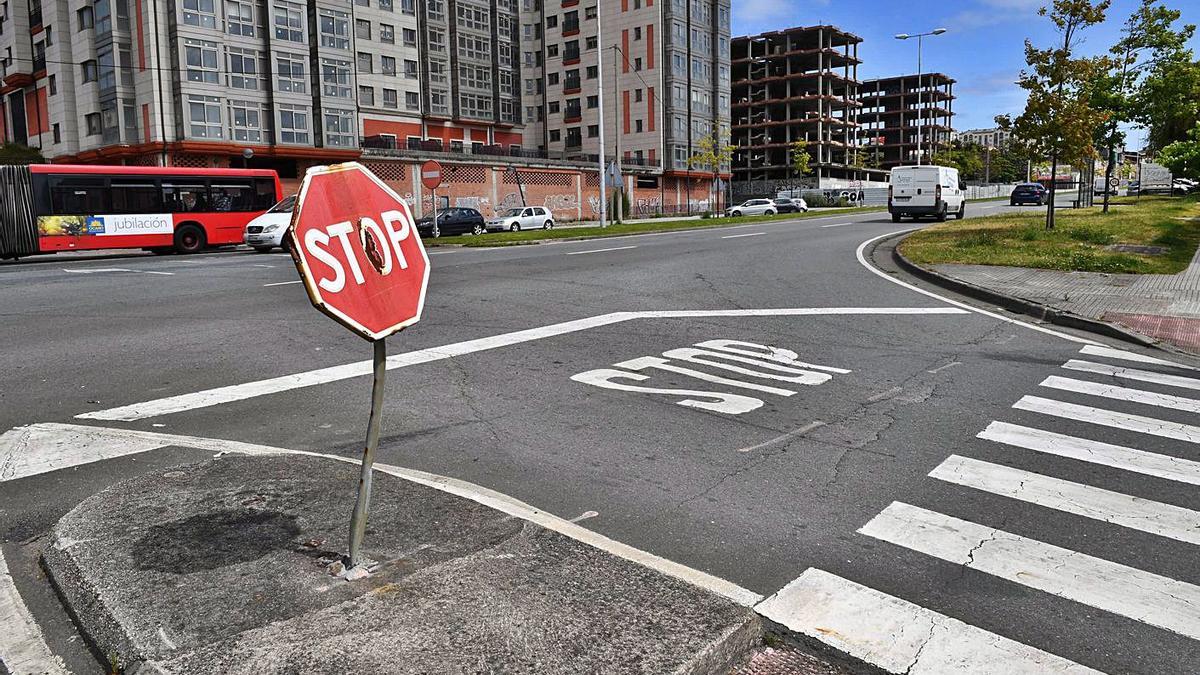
pixel 897 111
pixel 797 84
pixel 994 138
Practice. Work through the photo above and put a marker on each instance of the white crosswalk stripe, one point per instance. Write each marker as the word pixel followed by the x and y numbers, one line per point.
pixel 1165 520
pixel 1110 418
pixel 1096 452
pixel 898 636
pixel 1109 352
pixel 1122 393
pixel 1109 586
pixel 1133 374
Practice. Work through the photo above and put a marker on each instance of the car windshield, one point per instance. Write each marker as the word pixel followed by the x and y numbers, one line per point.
pixel 513 212
pixel 286 205
pixel 783 201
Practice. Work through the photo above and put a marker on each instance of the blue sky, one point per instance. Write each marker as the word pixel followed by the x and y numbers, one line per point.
pixel 983 48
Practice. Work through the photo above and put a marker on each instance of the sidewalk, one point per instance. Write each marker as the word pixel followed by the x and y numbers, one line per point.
pixel 1165 307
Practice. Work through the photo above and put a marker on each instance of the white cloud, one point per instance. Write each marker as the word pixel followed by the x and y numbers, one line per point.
pixel 992 12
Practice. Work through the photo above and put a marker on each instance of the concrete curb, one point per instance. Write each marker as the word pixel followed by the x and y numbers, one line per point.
pixel 1013 303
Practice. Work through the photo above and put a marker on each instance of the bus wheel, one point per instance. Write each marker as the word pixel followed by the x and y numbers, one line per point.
pixel 189 239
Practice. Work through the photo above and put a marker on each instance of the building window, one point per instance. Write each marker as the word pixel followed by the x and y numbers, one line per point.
pixel 439 103
pixel 362 29
pixel 410 37
pixel 552 78
pixel 574 138
pixel 57 133
pixel 552 21
pixel 410 6
pixel 410 69
pixel 289 21
pixel 555 136
pixel 204 112
pixel 589 13
pixel 245 121
pixel 476 77
pixel 590 43
pixel 290 70
pixel 386 5
pixel 593 130
pixel 637 32
pixel 103 17
pixel 412 100
pixel 85 19
pixel 339 128
pixel 92 122
pixel 200 13
pixel 107 73
pixel 240 18
pixel 637 126
pixel 389 99
pixel 387 65
pixel 293 124
pixel 593 101
pixel 244 68
pixel 88 70
pixel 553 107
pixel 474 18
pixel 335 78
pixel 366 63
pixel 474 47
pixel 591 72
pixel 366 95
pixel 201 59
pixel 473 105
pixel 335 29
pixel 125 64
pixel 637 95
pixel 637 63
pixel 53 84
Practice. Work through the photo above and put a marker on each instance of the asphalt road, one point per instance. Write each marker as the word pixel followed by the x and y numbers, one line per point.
pixel 762 480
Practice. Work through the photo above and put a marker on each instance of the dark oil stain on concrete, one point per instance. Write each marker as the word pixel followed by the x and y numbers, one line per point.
pixel 214 539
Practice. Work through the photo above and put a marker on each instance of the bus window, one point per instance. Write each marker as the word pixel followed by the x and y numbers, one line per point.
pixel 135 195
pixel 181 197
pixel 78 195
pixel 232 195
pixel 265 197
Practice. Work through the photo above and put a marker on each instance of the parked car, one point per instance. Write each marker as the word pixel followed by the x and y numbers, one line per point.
pixel 456 220
pixel 1183 186
pixel 1028 193
pixel 753 207
pixel 522 218
pixel 790 205
pixel 266 231
pixel 929 190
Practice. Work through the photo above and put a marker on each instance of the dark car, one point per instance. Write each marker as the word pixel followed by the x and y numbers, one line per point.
pixel 787 205
pixel 451 221
pixel 1028 193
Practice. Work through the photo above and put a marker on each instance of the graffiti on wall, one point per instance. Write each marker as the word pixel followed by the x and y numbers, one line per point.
pixel 647 206
pixel 511 200
pixel 562 202
pixel 594 205
pixel 480 204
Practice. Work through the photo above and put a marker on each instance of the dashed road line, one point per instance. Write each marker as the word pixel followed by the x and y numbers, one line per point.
pixel 836 224
pixel 283 283
pixel 601 250
pixel 738 236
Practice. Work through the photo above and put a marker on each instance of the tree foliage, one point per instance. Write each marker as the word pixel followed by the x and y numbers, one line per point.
pixel 15 153
pixel 799 158
pixel 712 152
pixel 1183 157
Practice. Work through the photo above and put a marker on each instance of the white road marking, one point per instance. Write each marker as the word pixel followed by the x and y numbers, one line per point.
pixel 1121 393
pixel 862 259
pixel 283 283
pixel 1112 587
pixel 97 270
pixel 240 392
pixel 28 451
pixel 1164 520
pixel 262 265
pixel 584 516
pixel 748 234
pixel 1096 452
pixel 1133 374
pixel 939 369
pixel 601 250
pixel 1101 350
pixel 490 498
pixel 22 647
pixel 1109 418
pixel 898 636
pixel 784 437
pixel 837 224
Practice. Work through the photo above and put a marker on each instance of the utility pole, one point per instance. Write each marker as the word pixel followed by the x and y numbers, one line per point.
pixel 617 120
pixel 600 108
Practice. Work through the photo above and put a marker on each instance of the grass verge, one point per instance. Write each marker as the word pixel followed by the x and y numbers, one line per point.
pixel 1081 241
pixel 663 225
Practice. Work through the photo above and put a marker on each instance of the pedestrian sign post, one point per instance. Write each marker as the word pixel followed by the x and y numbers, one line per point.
pixel 355 244
pixel 431 177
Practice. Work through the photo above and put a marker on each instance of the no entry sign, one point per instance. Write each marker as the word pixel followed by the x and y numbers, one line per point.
pixel 431 174
pixel 358 252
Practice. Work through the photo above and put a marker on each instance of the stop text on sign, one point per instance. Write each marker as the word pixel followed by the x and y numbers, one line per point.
pixel 747 361
pixel 379 242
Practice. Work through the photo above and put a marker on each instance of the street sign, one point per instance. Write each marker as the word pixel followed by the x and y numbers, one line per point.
pixel 431 174
pixel 356 246
pixel 612 177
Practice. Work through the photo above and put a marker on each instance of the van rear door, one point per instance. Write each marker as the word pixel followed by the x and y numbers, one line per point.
pixel 915 185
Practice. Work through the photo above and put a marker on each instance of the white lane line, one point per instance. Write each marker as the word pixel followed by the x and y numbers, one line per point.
pixel 239 392
pixel 167 274
pixel 1110 418
pixel 862 260
pixel 783 437
pixel 1157 518
pixel 1096 452
pixel 748 234
pixel 837 224
pixel 602 250
pixel 897 636
pixel 98 270
pixel 22 647
pixel 283 283
pixel 1142 596
pixel 1132 374
pixel 1121 393
pixel 1109 352
pixel 487 497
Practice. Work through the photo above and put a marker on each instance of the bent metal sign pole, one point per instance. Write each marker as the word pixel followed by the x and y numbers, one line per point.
pixel 356 247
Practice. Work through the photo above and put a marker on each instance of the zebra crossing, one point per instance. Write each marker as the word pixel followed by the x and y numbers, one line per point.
pixel 1141 436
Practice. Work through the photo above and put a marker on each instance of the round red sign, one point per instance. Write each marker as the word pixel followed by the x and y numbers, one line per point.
pixel 431 174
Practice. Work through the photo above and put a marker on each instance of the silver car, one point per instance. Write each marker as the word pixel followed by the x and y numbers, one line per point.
pixel 753 207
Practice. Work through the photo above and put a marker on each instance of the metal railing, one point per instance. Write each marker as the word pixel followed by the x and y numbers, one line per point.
pixel 390 145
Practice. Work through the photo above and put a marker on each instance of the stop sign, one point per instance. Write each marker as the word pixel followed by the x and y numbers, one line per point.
pixel 431 174
pixel 356 246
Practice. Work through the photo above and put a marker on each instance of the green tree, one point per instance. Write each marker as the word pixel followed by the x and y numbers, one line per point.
pixel 15 153
pixel 1059 121
pixel 1183 157
pixel 712 152
pixel 799 159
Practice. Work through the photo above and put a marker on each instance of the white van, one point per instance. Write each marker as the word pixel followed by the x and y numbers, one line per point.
pixel 925 191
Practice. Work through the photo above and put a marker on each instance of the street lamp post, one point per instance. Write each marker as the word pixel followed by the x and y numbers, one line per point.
pixel 920 112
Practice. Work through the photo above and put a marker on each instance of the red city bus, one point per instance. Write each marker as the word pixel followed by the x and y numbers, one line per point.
pixel 57 207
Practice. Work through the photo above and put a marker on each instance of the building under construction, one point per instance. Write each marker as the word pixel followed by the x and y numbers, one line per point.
pixel 790 85
pixel 896 109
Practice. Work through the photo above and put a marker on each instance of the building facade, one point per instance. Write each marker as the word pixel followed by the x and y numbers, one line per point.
pixel 286 84
pixel 798 84
pixel 991 138
pixel 898 111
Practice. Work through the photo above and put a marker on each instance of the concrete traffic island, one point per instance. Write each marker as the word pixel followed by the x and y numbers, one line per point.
pixel 221 567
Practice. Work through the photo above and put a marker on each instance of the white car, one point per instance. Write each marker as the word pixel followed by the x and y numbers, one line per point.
pixel 753 207
pixel 266 231
pixel 523 218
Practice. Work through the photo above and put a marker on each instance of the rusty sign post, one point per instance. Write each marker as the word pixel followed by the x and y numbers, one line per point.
pixel 431 177
pixel 355 244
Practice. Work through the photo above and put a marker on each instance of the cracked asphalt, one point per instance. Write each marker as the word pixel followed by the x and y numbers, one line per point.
pixel 755 498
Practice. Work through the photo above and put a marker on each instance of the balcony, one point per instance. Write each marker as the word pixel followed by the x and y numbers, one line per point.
pixel 570 28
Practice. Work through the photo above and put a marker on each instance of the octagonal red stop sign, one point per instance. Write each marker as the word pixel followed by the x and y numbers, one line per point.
pixel 358 252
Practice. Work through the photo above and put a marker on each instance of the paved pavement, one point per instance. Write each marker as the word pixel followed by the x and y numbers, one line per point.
pixel 904 479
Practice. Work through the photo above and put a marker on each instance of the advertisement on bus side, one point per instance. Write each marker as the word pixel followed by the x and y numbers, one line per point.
pixel 106 225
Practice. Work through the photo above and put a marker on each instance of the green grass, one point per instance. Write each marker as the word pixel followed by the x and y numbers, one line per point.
pixel 663 225
pixel 1079 241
